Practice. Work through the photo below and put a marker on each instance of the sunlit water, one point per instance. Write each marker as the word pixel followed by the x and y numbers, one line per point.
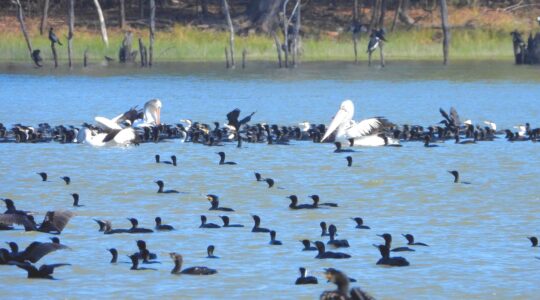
pixel 477 233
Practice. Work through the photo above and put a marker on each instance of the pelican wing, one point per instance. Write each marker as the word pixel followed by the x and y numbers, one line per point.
pixel 125 136
pixel 107 124
pixel 364 128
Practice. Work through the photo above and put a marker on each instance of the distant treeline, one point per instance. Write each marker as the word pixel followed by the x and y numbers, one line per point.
pixel 253 13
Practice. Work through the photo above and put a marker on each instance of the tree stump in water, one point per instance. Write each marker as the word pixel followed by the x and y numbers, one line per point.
pixel 55 56
pixel 143 53
pixel 85 58
pixel 125 54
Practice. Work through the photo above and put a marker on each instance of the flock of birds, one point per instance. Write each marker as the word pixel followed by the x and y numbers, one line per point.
pixel 145 125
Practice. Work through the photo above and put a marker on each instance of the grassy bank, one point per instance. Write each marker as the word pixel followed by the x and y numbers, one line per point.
pixel 189 44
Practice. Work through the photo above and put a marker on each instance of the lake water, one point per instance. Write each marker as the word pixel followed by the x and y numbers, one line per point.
pixel 477 233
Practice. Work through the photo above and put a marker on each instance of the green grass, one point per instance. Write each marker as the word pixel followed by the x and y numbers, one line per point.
pixel 188 44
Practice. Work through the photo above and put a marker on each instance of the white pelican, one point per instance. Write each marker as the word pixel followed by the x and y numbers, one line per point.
pixel 304 126
pixel 364 133
pixel 491 125
pixel 121 130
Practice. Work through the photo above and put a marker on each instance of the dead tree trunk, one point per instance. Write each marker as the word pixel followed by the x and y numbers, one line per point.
pixel 125 54
pixel 375 7
pixel 141 9
pixel 152 30
pixel 44 17
pixel 446 30
pixel 244 56
pixel 286 33
pixel 143 53
pixel 381 52
pixel 296 34
pixel 85 58
pixel 20 17
pixel 71 24
pixel 231 30
pixel 278 47
pixel 382 14
pixel 102 23
pixel 122 14
pixel 396 13
pixel 404 13
pixel 227 65
pixel 34 55
pixel 355 30
pixel 55 56
pixel 204 8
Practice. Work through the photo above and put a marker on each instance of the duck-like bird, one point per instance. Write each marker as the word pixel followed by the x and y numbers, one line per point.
pixel 363 133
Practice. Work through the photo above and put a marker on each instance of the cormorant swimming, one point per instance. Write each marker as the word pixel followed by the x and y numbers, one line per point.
pixel 161 191
pixel 534 241
pixel 410 240
pixel 76 200
pixel 214 200
pixel 396 261
pixel 360 223
pixel 324 231
pixel 226 223
pixel 114 254
pixel 316 203
pixel 307 246
pixel 210 251
pixel 43 176
pixel 349 161
pixel 256 227
pixel 294 203
pixel 135 263
pixel 162 227
pixel 456 177
pixel 135 229
pixel 388 243
pixel 303 279
pixel 273 240
pixel 336 243
pixel 207 225
pixel 222 159
pixel 322 254
pixel 178 260
pixel 66 179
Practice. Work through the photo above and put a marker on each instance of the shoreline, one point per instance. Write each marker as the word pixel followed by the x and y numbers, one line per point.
pixel 188 44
